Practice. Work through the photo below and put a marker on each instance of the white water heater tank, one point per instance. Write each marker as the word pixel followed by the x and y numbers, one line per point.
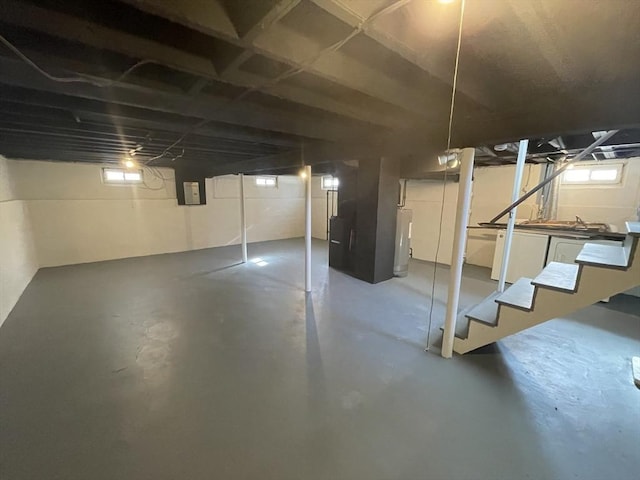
pixel 403 243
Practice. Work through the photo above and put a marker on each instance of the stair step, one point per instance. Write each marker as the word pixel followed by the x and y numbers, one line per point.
pixel 519 295
pixel 462 326
pixel 611 256
pixel 558 276
pixel 486 311
pixel 633 229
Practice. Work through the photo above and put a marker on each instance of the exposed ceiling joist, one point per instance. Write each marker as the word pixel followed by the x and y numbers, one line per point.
pixel 273 15
pixel 299 52
pixel 16 73
pixel 84 32
pixel 68 27
pixel 252 80
pixel 296 50
pixel 208 16
pixel 125 116
pixel 465 86
pixel 321 102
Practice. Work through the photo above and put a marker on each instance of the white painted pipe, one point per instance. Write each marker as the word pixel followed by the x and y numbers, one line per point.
pixel 307 229
pixel 459 243
pixel 243 221
pixel 517 182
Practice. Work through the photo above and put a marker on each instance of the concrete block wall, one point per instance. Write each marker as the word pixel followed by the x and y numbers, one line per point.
pixel 492 189
pixel 18 260
pixel 62 213
pixel 614 204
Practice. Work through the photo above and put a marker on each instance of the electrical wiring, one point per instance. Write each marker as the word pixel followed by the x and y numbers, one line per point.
pixel 78 79
pixel 446 168
pixel 180 139
pixel 288 73
pixel 157 174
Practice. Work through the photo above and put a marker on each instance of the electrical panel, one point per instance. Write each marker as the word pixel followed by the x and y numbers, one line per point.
pixel 191 193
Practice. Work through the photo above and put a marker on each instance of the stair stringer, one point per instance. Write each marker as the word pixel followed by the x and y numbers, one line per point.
pixel 594 283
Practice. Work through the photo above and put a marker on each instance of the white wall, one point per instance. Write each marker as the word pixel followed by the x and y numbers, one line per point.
pixel 614 204
pixel 76 218
pixel 492 188
pixel 18 262
pixel 424 198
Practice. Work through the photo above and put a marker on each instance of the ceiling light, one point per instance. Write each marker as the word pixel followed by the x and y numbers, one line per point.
pixel 129 163
pixel 303 174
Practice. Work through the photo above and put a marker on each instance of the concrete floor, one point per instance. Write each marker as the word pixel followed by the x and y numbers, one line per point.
pixel 190 366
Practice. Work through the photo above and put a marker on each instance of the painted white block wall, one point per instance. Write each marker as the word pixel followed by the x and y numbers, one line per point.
pixel 492 186
pixel 18 261
pixel 425 198
pixel 492 189
pixel 76 218
pixel 491 193
pixel 613 204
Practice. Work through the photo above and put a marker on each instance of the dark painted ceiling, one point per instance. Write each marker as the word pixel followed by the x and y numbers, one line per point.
pixel 226 86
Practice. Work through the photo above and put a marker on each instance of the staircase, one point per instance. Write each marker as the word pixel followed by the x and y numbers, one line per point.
pixel 561 288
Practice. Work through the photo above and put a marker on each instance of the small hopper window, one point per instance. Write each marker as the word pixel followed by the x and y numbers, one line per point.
pixel 593 174
pixel 329 182
pixel 120 176
pixel 271 182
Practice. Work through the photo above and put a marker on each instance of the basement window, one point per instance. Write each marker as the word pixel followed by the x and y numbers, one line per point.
pixel 271 182
pixel 120 176
pixel 329 182
pixel 593 174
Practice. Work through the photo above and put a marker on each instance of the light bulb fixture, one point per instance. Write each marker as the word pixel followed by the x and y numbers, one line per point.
pixel 303 174
pixel 129 163
pixel 450 158
pixel 445 158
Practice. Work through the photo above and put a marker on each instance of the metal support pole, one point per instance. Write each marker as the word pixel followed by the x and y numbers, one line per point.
pixel 459 242
pixel 517 182
pixel 307 229
pixel 243 221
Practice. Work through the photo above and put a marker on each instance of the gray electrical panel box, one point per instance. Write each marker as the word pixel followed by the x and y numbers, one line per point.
pixel 191 193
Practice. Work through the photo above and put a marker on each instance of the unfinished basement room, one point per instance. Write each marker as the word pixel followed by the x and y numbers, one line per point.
pixel 319 239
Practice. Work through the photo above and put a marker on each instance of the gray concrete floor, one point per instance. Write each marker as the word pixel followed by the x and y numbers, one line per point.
pixel 191 366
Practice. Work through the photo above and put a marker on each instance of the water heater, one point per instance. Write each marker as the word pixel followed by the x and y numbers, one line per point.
pixel 403 243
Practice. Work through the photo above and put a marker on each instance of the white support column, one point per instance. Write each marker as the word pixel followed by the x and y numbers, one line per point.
pixel 307 229
pixel 517 182
pixel 457 256
pixel 243 221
